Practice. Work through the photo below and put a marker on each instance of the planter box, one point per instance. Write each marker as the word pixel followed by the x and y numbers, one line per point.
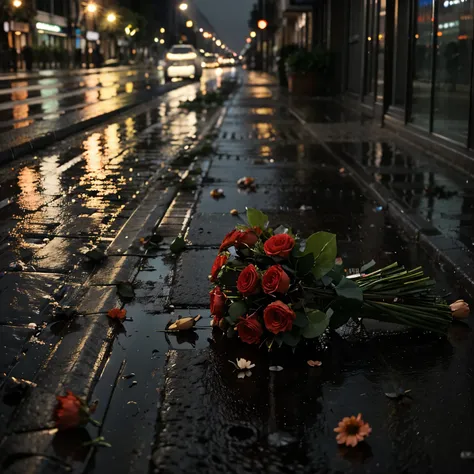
pixel 305 84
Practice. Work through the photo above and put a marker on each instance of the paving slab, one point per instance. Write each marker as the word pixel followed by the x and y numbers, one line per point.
pixel 191 283
pixel 24 296
pixel 60 255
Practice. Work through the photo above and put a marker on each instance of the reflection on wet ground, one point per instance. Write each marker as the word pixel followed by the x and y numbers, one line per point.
pixel 42 98
pixel 55 205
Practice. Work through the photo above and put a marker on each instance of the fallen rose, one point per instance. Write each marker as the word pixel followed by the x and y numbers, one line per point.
pixel 117 313
pixel 275 280
pixel 217 302
pixel 239 239
pixel 249 329
pixel 219 262
pixel 248 281
pixel 459 309
pixel 278 317
pixel 71 412
pixel 279 245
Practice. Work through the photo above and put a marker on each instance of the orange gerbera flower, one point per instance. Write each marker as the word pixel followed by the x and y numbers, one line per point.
pixel 352 430
pixel 117 313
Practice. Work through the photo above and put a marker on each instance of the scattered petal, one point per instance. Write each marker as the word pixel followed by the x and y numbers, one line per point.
pixel 315 363
pixel 234 212
pixel 305 208
pixel 184 324
pixel 342 170
pixel 217 193
pixel 467 455
pixel 245 182
pixel 275 368
pixel 117 313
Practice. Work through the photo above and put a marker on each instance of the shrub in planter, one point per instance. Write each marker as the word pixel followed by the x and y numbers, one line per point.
pixel 284 53
pixel 310 72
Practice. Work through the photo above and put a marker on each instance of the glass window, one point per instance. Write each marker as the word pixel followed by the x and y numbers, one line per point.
pixel 60 7
pixel 402 18
pixel 453 67
pixel 381 50
pixel 44 5
pixel 422 68
pixel 355 45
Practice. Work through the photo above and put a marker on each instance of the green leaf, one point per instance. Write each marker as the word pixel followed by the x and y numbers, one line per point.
pixel 318 323
pixel 256 218
pixel 304 264
pixel 323 246
pixel 301 320
pixel 237 310
pixel 350 290
pixel 291 338
pixel 178 245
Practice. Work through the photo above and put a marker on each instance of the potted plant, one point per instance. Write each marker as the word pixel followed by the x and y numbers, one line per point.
pixel 285 52
pixel 309 72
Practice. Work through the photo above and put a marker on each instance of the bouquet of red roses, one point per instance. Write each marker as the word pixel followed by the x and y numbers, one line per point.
pixel 273 287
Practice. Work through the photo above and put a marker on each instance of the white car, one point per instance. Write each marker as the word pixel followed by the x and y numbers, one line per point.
pixel 183 61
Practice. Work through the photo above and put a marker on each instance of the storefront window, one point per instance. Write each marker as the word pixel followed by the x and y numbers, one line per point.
pixel 453 68
pixel 422 68
pixel 381 50
pixel 370 44
pixel 402 19
pixel 356 10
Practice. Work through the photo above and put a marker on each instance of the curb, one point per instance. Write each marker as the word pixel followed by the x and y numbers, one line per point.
pixel 76 363
pixel 450 253
pixel 47 139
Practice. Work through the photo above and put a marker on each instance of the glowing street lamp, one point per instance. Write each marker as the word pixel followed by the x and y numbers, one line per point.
pixel 189 24
pixel 156 39
pixel 162 41
pixel 91 7
pixel 17 3
pixel 162 30
pixel 111 18
pixel 183 7
pixel 253 34
pixel 201 30
pixel 218 42
pixel 262 24
pixel 248 40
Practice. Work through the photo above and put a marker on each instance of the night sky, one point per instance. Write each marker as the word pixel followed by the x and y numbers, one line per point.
pixel 229 18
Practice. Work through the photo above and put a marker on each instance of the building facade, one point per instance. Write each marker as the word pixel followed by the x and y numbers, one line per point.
pixel 409 62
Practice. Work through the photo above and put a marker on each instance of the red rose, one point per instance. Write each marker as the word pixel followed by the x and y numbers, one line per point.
pixel 275 280
pixel 249 329
pixel 279 245
pixel 230 240
pixel 218 300
pixel 249 237
pixel 247 283
pixel 70 412
pixel 238 238
pixel 278 317
pixel 219 262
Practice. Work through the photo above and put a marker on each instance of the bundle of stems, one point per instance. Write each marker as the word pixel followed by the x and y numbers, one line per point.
pixel 403 296
pixel 394 294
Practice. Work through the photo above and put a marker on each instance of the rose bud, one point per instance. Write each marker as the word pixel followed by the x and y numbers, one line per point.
pixel 459 309
pixel 71 412
pixel 217 302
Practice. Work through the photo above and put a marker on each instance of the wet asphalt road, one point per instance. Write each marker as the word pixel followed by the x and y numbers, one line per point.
pixel 69 196
pixel 46 95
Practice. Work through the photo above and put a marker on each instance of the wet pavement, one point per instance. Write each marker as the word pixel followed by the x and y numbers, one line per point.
pixel 173 403
pixel 56 205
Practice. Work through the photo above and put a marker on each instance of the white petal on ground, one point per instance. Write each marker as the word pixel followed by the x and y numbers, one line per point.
pixel 275 368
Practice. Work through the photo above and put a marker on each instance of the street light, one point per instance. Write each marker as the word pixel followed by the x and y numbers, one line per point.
pixel 189 23
pixel 111 17
pixel 183 7
pixel 200 30
pixel 156 39
pixel 253 34
pixel 162 30
pixel 17 3
pixel 262 24
pixel 218 42
pixel 91 7
pixel 162 41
